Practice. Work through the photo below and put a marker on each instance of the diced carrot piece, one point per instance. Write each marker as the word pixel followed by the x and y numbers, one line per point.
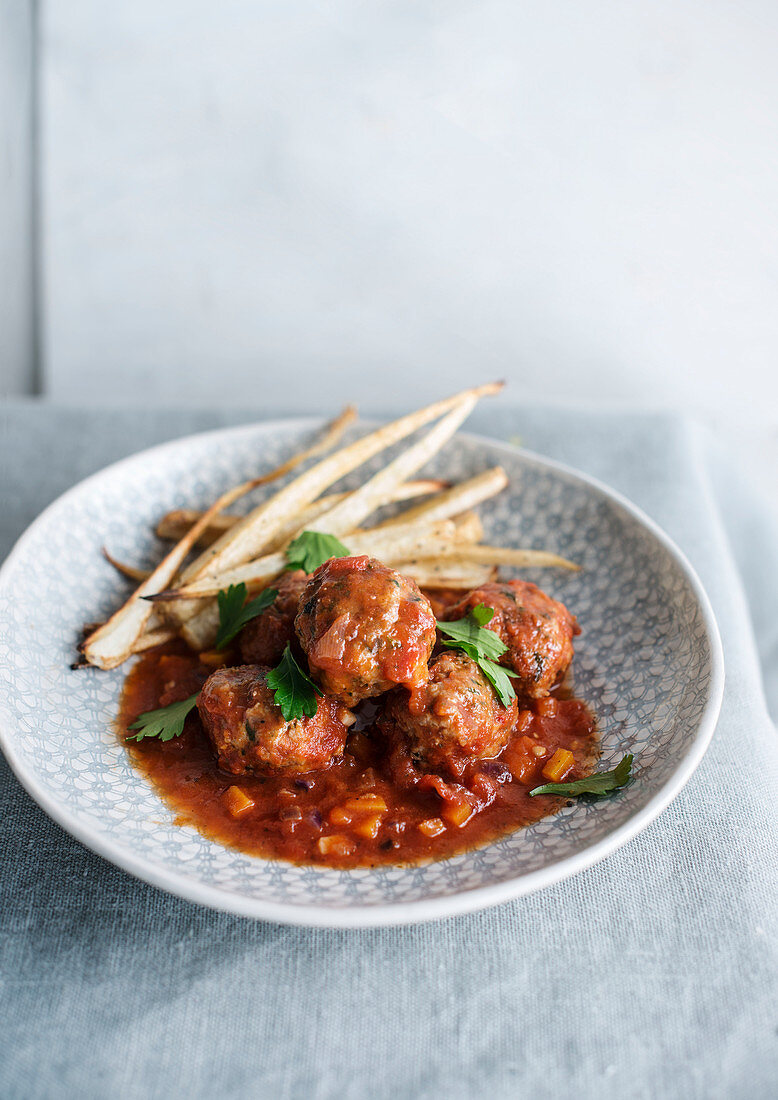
pixel 214 658
pixel 238 802
pixel 366 803
pixel 433 826
pixel 558 766
pixel 520 758
pixel 368 826
pixel 547 707
pixel 457 813
pixel 524 721
pixel 335 845
pixel 339 816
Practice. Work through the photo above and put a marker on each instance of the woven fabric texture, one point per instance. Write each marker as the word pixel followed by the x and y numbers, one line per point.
pixel 653 974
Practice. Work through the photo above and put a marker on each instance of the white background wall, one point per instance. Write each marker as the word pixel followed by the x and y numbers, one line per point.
pixel 285 203
pixel 379 197
pixel 17 238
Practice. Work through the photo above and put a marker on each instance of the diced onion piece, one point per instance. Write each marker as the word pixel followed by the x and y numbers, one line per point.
pixel 524 721
pixel 433 826
pixel 359 747
pixel 558 766
pixel 484 787
pixel 237 801
pixel 335 845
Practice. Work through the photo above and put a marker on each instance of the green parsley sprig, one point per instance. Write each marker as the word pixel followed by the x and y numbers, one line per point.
pixel 234 612
pixel 165 723
pixel 312 548
pixel 482 646
pixel 597 785
pixel 294 690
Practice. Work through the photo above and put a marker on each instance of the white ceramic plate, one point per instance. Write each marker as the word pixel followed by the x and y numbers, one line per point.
pixel 648 662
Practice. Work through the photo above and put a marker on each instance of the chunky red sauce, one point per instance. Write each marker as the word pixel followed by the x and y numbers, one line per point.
pixel 290 817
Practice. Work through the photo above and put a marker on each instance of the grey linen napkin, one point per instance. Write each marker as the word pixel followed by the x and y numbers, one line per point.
pixel 653 974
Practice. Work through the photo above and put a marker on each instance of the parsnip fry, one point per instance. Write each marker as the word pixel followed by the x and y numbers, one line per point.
pixel 468 527
pixel 151 638
pixel 389 546
pixel 459 498
pixel 378 489
pixel 253 534
pixel 130 571
pixel 503 555
pixel 249 537
pixel 112 643
pixel 175 524
pixel 434 573
pixel 200 631
pixel 309 518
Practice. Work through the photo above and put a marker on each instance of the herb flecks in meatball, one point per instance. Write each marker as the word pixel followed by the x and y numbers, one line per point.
pixel 263 640
pixel 251 736
pixel 452 718
pixel 537 630
pixel 364 628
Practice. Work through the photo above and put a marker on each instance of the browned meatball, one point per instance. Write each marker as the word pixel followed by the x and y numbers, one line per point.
pixel 250 734
pixel 452 718
pixel 262 641
pixel 537 630
pixel 364 628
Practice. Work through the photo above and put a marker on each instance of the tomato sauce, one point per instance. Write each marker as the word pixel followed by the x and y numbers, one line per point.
pixel 336 817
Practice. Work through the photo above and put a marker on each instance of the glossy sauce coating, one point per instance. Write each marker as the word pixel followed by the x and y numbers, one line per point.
pixel 364 628
pixel 537 630
pixel 248 731
pixel 293 818
pixel 263 640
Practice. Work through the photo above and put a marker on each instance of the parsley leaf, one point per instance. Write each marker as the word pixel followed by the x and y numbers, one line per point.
pixel 600 783
pixel 234 612
pixel 164 723
pixel 470 629
pixel 482 646
pixel 499 679
pixel 295 692
pixel 312 548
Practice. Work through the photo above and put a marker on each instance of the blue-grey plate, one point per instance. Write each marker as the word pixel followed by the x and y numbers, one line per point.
pixel 648 662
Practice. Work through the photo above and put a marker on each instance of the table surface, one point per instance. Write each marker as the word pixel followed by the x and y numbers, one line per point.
pixel 651 974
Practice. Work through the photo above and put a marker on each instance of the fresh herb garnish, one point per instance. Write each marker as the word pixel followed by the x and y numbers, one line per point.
pixel 295 692
pixel 600 783
pixel 234 612
pixel 164 723
pixel 312 548
pixel 482 646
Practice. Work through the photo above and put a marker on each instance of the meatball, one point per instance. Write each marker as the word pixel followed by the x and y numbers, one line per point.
pixel 250 734
pixel 262 641
pixel 452 718
pixel 364 628
pixel 537 630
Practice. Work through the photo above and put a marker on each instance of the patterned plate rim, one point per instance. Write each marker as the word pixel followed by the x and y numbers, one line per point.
pixel 399 913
